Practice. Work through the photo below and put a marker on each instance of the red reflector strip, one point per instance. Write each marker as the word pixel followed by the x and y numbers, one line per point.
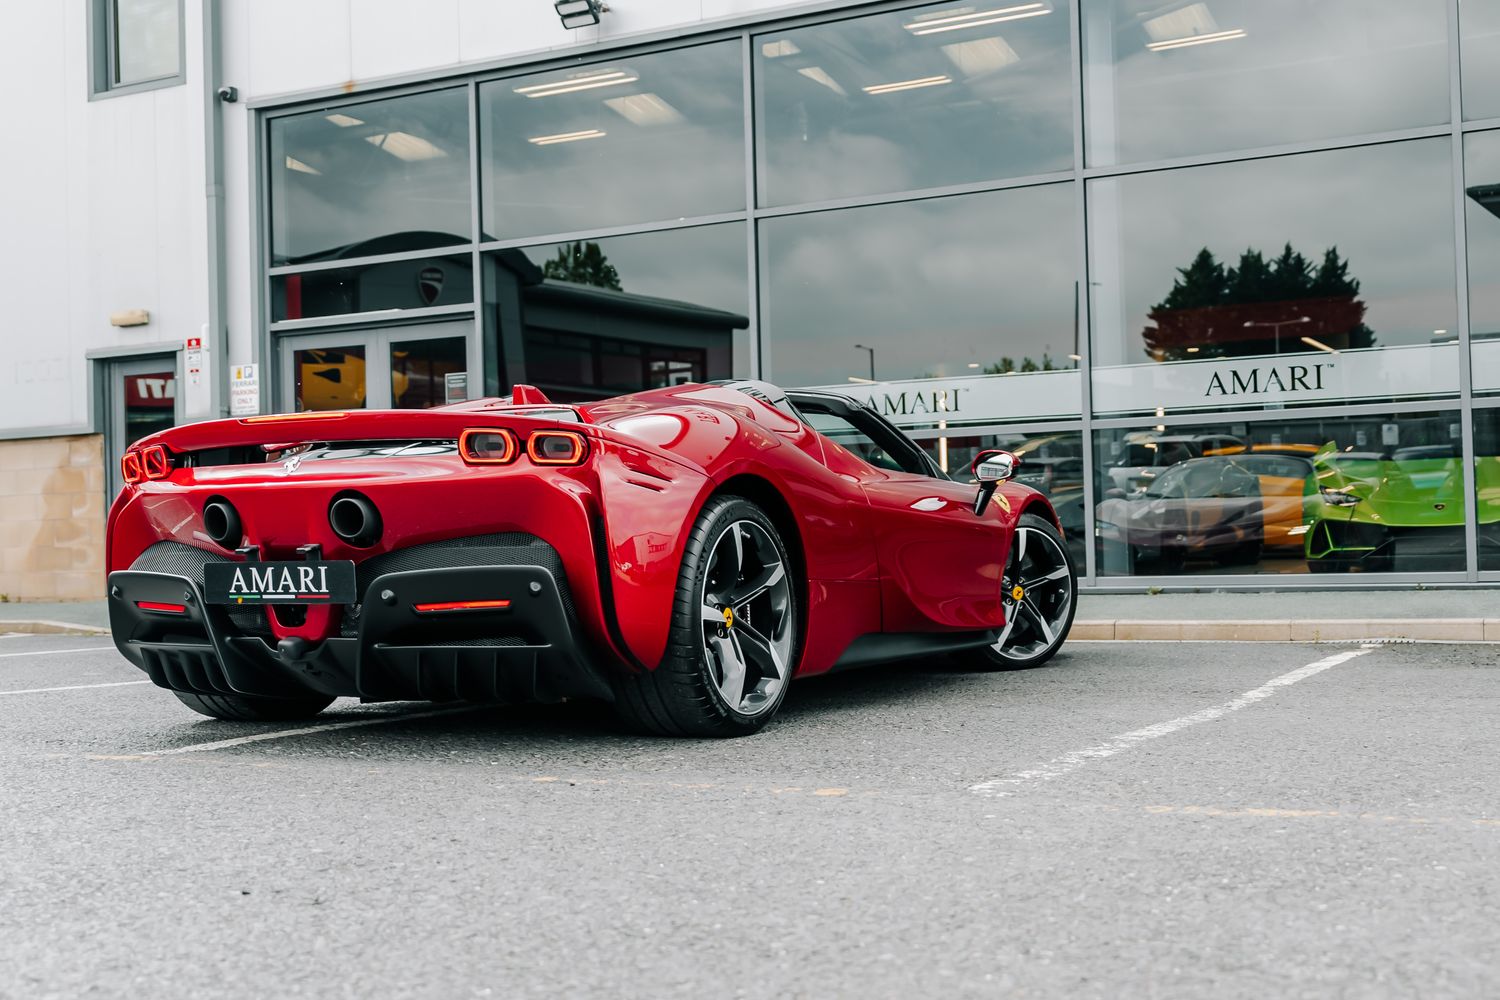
pixel 166 609
pixel 461 606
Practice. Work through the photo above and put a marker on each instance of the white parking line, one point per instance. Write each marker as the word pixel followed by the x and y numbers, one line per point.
pixel 51 652
pixel 1066 764
pixel 75 687
pixel 309 730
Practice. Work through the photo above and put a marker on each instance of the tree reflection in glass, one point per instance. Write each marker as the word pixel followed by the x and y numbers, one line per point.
pixel 1214 311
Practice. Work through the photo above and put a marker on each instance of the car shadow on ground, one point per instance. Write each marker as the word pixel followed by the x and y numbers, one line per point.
pixel 828 699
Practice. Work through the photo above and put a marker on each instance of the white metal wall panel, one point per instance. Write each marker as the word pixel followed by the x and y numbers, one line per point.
pixel 295 45
pixel 489 30
pixel 104 211
pixel 387 37
pixel 627 17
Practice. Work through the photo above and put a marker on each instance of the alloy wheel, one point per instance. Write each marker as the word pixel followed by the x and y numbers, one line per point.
pixel 747 622
pixel 1037 594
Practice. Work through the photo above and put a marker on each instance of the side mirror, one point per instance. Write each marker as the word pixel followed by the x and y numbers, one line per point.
pixel 1114 493
pixel 991 468
pixel 994 466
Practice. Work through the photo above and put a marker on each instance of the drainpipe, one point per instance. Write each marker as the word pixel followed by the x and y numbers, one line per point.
pixel 213 162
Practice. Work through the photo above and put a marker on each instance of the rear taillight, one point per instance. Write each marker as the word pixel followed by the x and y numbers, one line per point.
pixel 557 448
pixel 145 464
pixel 155 462
pixel 488 446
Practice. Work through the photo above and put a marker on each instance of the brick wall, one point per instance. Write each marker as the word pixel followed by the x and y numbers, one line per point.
pixel 52 518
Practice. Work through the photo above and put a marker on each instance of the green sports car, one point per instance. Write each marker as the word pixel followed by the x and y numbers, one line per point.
pixel 1398 510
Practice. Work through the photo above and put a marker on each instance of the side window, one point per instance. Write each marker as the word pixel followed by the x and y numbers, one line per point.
pixel 851 438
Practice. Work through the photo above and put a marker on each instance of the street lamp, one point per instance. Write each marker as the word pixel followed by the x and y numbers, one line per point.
pixel 1276 326
pixel 862 347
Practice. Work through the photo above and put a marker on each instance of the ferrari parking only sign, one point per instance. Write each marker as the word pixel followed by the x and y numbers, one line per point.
pixel 244 391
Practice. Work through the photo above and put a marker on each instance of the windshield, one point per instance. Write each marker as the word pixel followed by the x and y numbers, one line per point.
pixel 1169 483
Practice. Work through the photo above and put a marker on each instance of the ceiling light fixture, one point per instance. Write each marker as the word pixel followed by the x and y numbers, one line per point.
pixel 780 47
pixel 292 163
pixel 343 121
pixel 579 13
pixel 981 55
pixel 644 109
pixel 1310 342
pixel 973 18
pixel 405 146
pixel 817 75
pixel 570 84
pixel 553 140
pixel 1182 43
pixel 891 88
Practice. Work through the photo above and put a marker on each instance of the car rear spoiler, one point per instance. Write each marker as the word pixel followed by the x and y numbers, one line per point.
pixel 286 430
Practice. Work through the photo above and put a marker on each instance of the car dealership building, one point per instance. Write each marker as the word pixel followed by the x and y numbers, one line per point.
pixel 1226 273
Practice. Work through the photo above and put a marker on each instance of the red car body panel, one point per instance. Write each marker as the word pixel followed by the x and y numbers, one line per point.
pixel 872 561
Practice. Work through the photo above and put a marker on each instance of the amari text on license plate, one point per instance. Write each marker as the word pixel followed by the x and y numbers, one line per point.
pixel 301 582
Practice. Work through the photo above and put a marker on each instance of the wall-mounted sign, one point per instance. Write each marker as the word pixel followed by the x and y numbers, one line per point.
pixel 192 360
pixel 455 387
pixel 244 391
pixel 1315 376
pixel 970 400
pixel 1214 384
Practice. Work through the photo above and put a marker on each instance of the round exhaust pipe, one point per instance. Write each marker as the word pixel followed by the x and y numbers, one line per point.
pixel 354 519
pixel 221 523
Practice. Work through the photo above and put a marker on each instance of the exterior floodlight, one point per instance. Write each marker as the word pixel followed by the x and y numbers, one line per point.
pixel 579 13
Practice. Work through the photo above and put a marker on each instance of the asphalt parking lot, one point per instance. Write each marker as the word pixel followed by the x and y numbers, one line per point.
pixel 1134 820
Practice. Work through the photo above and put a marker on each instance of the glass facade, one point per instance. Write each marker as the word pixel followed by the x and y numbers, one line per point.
pixel 1333 270
pixel 1224 273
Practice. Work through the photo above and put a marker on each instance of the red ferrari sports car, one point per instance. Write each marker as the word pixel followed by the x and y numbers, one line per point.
pixel 682 552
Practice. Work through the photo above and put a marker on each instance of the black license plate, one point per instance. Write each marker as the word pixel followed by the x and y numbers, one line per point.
pixel 280 582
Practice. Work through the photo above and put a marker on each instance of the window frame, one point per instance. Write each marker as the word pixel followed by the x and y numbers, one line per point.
pixel 103 47
pixel 913 459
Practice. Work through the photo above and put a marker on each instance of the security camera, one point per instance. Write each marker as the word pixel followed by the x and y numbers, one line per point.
pixel 229 94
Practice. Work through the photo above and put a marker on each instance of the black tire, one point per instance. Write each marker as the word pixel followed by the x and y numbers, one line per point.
pixel 240 708
pixel 1059 619
pixel 683 696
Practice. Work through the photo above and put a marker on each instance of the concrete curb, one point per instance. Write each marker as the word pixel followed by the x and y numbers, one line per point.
pixel 45 627
pixel 1291 630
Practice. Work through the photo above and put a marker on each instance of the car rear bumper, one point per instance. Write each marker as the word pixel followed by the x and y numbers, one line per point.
pixel 528 651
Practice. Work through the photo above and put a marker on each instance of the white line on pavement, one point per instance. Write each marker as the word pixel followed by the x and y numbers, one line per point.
pixel 76 687
pixel 1056 768
pixel 309 730
pixel 49 652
